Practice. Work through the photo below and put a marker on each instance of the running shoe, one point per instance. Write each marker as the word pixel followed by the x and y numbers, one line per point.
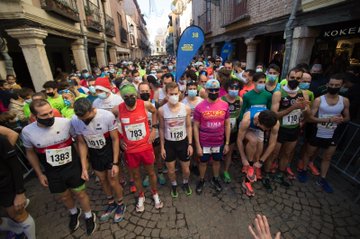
pixel 251 174
pixel 108 212
pixel 216 184
pixel 158 203
pixel 245 168
pixel 227 178
pixel 302 176
pixel 274 167
pixel 290 173
pixel 280 179
pixel 186 187
pixel 146 182
pixel 119 213
pixel 248 189
pixel 300 165
pixel 325 185
pixel 258 173
pixel 90 224
pixel 266 183
pixel 174 192
pixel 161 179
pixel 200 187
pixel 132 187
pixel 313 169
pixel 140 204
pixel 74 220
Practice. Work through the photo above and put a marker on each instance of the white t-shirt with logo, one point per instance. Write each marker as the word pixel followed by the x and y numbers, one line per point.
pixel 108 103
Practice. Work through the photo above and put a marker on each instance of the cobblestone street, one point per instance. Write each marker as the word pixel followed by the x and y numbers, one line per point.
pixel 302 211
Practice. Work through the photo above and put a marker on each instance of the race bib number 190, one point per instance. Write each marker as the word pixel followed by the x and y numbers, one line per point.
pixel 135 132
pixel 58 157
pixel 293 118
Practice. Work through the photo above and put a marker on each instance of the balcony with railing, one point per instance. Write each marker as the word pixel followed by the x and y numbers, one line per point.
pixel 109 26
pixel 93 17
pixel 205 21
pixel 233 11
pixel 123 35
pixel 65 8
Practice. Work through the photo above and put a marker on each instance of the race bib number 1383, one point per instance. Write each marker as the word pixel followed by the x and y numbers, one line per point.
pixel 58 157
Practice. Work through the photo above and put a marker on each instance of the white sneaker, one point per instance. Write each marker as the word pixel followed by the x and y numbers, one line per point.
pixel 140 204
pixel 158 203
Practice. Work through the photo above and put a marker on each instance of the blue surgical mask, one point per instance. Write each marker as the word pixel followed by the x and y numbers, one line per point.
pixel 170 68
pixel 233 93
pixel 86 75
pixel 67 102
pixel 92 89
pixel 304 85
pixel 260 87
pixel 272 78
pixel 259 70
pixel 192 93
pixel 102 95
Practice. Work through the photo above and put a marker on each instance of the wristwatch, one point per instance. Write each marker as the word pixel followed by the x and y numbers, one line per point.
pixel 116 164
pixel 155 126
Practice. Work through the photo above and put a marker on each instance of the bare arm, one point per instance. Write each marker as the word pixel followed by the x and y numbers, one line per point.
pixel 115 145
pixel 35 164
pixel 272 143
pixel 83 152
pixel 346 113
pixel 11 135
pixel 244 125
pixel 188 124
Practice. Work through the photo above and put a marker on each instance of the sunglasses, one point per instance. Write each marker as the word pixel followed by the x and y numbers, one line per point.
pixel 213 90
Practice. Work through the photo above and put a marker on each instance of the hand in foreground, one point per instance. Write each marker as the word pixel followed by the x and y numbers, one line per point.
pixel 262 229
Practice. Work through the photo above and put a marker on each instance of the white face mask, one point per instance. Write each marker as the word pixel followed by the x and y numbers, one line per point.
pixel 173 99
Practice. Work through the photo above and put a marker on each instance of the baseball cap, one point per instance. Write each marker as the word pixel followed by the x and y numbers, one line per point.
pixel 212 84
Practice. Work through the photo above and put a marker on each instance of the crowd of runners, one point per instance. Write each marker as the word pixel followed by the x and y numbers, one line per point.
pixel 131 122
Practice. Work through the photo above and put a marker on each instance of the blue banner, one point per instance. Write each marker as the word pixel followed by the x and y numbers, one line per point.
pixel 226 50
pixel 190 41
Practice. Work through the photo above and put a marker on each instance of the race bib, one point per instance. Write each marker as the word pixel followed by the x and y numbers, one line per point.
pixel 175 133
pixel 58 157
pixel 211 150
pixel 135 132
pixel 95 141
pixel 232 123
pixel 327 125
pixel 293 118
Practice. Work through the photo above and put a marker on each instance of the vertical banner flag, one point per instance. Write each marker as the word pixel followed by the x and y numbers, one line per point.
pixel 190 41
pixel 226 50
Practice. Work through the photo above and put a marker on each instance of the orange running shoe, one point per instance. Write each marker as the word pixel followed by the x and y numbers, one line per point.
pixel 251 174
pixel 245 168
pixel 314 170
pixel 248 190
pixel 132 187
pixel 258 173
pixel 290 173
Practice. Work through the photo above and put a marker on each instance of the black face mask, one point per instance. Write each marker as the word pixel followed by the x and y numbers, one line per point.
pixel 130 101
pixel 48 122
pixel 293 84
pixel 333 91
pixel 51 94
pixel 87 121
pixel 145 96
pixel 213 96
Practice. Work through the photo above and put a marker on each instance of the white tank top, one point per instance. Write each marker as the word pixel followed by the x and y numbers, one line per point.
pixel 326 130
pixel 175 123
pixel 149 116
pixel 162 95
pixel 192 105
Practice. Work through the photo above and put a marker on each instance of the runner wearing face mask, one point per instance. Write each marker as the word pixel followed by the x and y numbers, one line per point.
pixel 98 140
pixel 160 95
pixel 144 94
pixel 48 141
pixel 328 111
pixel 234 101
pixel 192 99
pixel 211 129
pixel 106 99
pixel 137 141
pixel 176 137
pixel 248 82
pixel 272 79
pixel 288 103
pixel 55 100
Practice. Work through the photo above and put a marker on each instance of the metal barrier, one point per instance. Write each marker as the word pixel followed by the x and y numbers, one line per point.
pixel 347 156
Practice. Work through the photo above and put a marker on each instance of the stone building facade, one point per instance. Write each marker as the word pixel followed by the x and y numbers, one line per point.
pixel 41 36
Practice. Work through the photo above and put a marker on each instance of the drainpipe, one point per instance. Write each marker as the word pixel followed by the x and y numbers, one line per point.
pixel 85 45
pixel 104 30
pixel 289 30
pixel 8 60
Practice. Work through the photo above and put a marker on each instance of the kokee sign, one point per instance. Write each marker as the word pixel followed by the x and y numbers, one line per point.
pixel 342 32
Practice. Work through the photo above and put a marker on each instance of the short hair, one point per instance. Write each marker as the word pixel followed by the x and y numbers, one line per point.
pixel 2 83
pixel 258 75
pixel 233 81
pixel 267 118
pixel 203 73
pixel 133 72
pixel 296 70
pixel 24 92
pixel 50 84
pixel 228 62
pixel 251 72
pixel 237 64
pixel 168 75
pixel 143 83
pixel 275 67
pixel 36 104
pixel 191 74
pixel 170 86
pixel 41 94
pixel 82 106
pixel 224 73
pixel 338 76
pixel 10 75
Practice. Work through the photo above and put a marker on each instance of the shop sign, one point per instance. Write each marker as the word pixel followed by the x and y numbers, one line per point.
pixel 348 31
